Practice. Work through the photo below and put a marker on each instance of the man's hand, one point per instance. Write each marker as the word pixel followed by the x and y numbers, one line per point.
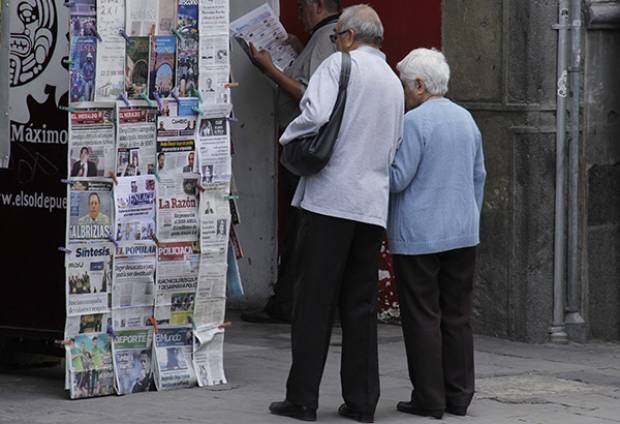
pixel 262 59
pixel 295 43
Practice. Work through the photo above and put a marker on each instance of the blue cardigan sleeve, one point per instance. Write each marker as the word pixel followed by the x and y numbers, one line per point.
pixel 408 156
pixel 480 172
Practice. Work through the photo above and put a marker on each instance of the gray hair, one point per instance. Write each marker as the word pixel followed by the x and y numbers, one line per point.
pixel 428 65
pixel 364 21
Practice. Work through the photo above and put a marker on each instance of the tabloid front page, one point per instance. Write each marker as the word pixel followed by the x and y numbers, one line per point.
pixel 91 141
pixel 136 141
pixel 135 208
pixel 177 276
pixel 90 365
pixel 173 358
pixel 133 289
pixel 132 354
pixel 90 210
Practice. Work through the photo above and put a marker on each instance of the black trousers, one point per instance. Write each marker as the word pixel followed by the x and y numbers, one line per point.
pixel 338 269
pixel 280 304
pixel 435 306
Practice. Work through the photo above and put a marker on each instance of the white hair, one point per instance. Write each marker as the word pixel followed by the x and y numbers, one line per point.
pixel 365 23
pixel 428 65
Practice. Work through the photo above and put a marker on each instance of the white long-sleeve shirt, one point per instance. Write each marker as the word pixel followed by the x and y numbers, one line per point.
pixel 355 184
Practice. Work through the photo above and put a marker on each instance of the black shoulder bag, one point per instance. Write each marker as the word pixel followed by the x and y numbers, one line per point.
pixel 307 155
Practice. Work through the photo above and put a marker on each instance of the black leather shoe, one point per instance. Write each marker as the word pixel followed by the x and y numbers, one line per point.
pixel 461 411
pixel 289 409
pixel 361 417
pixel 412 408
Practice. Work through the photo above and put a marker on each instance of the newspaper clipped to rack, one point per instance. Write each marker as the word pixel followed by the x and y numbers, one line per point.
pixel 173 358
pixel 90 365
pixel 208 349
pixel 132 351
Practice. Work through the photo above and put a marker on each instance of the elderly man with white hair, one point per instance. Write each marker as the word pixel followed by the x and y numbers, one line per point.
pixel 344 211
pixel 437 183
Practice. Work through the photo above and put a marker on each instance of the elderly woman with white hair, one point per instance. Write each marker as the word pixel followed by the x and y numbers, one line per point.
pixel 437 183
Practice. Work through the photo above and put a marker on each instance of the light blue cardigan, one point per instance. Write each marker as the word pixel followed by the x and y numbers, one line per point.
pixel 436 181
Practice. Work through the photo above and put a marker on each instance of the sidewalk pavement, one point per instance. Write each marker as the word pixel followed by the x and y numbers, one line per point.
pixel 516 383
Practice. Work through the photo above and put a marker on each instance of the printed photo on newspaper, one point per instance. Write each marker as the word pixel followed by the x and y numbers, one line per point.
pixel 173 358
pixel 133 289
pixel 90 365
pixel 136 146
pixel 89 323
pixel 83 18
pixel 132 354
pixel 162 67
pixel 137 66
pixel 134 199
pixel 82 69
pixel 88 279
pixel 215 163
pixel 91 141
pixel 177 276
pixel 214 235
pixel 89 213
pixel 209 356
pixel 141 17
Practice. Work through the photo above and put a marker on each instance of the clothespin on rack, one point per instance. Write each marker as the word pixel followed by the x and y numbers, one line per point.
pixel 175 94
pixel 67 181
pixel 196 93
pixel 66 108
pixel 113 176
pixel 144 97
pixel 160 104
pixel 156 240
pixel 231 197
pixel 68 3
pixel 97 35
pixel 224 325
pixel 123 34
pixel 177 34
pixel 232 118
pixel 197 111
pixel 153 323
pixel 156 174
pixel 200 187
pixel 110 330
pixel 125 98
pixel 67 61
pixel 232 85
pixel 113 240
pixel 64 250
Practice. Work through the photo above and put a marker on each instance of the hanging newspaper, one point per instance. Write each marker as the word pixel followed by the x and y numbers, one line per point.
pixel 135 150
pixel 89 279
pixel 109 80
pixel 141 17
pixel 89 323
pixel 137 66
pixel 177 205
pixel 187 57
pixel 214 150
pixel 214 199
pixel 83 69
pixel 83 18
pixel 173 358
pixel 91 142
pixel 162 67
pixel 90 365
pixel 90 210
pixel 167 17
pixel 177 276
pixel 209 356
pixel 134 198
pixel 214 17
pixel 133 286
pixel 262 28
pixel 214 233
pixel 132 351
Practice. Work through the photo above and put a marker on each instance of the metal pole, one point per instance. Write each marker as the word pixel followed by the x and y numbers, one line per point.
pixel 574 281
pixel 557 332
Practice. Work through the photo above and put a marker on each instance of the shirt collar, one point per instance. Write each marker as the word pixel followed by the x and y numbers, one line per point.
pixel 373 51
pixel 329 20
